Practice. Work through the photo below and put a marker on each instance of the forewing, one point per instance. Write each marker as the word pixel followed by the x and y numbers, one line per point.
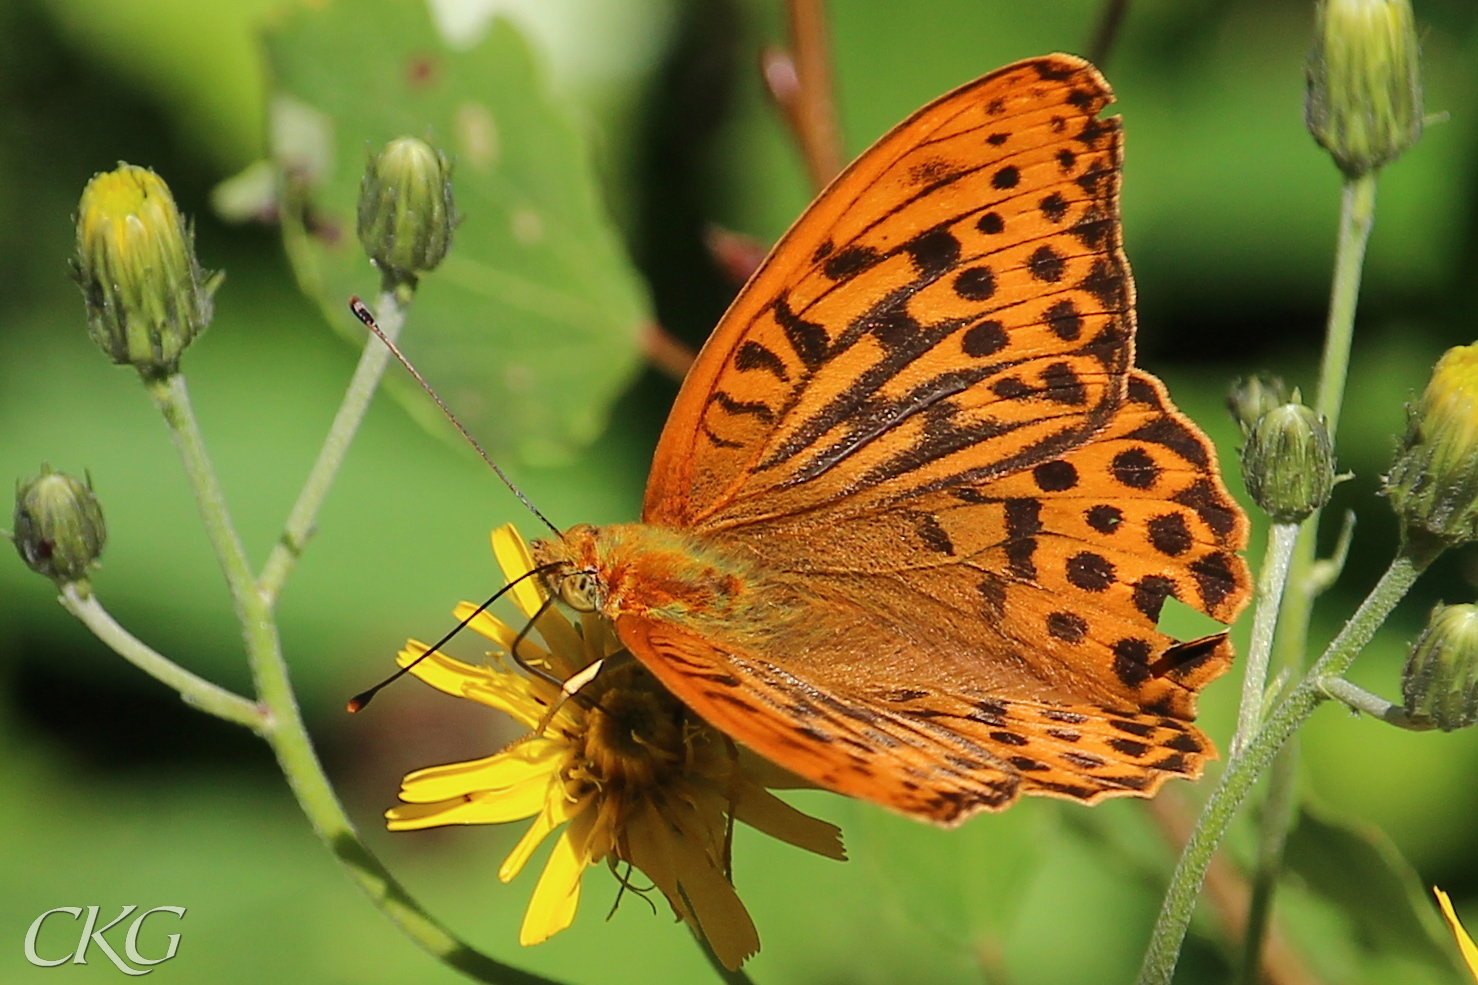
pixel 956 305
pixel 1057 572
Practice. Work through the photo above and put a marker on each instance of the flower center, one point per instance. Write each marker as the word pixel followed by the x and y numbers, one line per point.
pixel 634 738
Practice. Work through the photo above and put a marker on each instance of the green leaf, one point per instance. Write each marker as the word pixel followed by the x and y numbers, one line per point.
pixel 529 327
pixel 1356 869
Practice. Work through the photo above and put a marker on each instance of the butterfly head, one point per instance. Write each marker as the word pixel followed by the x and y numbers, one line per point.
pixel 571 572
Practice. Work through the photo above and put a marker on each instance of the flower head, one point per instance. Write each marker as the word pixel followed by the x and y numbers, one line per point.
pixel 1440 682
pixel 632 777
pixel 1464 942
pixel 59 529
pixel 146 295
pixel 1433 483
pixel 1288 462
pixel 1364 101
pixel 406 214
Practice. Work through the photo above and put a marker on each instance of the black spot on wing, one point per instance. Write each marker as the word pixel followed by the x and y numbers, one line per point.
pixel 933 252
pixel 807 339
pixel 850 262
pixel 753 355
pixel 1064 320
pixel 1056 476
pixel 1135 468
pixel 1067 626
pixel 1090 572
pixel 1104 519
pixel 984 338
pixel 1054 207
pixel 1170 535
pixel 991 223
pixel 1007 177
pixel 751 408
pixel 1046 265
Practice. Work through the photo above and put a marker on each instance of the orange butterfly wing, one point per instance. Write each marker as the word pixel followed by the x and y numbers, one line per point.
pixel 920 420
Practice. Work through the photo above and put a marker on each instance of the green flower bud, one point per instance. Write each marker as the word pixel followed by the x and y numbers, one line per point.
pixel 59 529
pixel 1288 463
pixel 406 213
pixel 1440 682
pixel 146 295
pixel 1433 483
pixel 1364 101
pixel 1253 397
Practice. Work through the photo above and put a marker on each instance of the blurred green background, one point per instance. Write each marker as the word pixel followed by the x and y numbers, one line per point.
pixel 652 124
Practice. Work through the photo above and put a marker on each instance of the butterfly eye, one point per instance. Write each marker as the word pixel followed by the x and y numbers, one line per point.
pixel 580 591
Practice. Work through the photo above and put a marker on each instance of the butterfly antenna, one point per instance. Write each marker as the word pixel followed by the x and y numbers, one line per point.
pixel 363 698
pixel 362 312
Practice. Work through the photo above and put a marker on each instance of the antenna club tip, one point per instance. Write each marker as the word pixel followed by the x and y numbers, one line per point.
pixel 357 703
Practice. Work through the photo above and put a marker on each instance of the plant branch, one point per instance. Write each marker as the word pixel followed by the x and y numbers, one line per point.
pixel 1242 772
pixel 302 521
pixel 1270 584
pixel 1107 31
pixel 1358 699
pixel 800 82
pixel 195 690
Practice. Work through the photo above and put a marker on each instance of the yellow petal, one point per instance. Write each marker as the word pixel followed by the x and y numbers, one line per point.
pixel 1464 942
pixel 516 561
pixel 565 644
pixel 770 815
pixel 649 847
pixel 510 693
pixel 516 804
pixel 556 897
pixel 501 633
pixel 531 759
pixel 556 811
pixel 719 915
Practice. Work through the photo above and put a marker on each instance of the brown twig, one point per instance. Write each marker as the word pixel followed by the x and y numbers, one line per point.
pixel 1107 33
pixel 670 355
pixel 736 254
pixel 1227 892
pixel 799 80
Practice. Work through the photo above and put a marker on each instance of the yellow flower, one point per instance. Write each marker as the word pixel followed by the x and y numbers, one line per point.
pixel 1464 942
pixel 631 774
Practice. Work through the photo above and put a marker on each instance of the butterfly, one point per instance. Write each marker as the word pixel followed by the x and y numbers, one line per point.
pixel 914 514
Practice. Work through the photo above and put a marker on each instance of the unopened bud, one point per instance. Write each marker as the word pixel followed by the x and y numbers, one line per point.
pixel 1288 463
pixel 1433 483
pixel 1440 683
pixel 1253 397
pixel 1364 101
pixel 59 529
pixel 146 295
pixel 406 213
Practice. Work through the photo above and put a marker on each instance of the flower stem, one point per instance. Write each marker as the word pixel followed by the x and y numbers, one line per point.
pixel 1356 216
pixel 1242 772
pixel 1278 810
pixel 1271 581
pixel 1358 699
pixel 1308 577
pixel 197 691
pixel 283 727
pixel 301 522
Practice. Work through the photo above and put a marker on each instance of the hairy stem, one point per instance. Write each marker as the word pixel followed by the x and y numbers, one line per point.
pixel 1278 810
pixel 1272 579
pixel 1242 772
pixel 302 521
